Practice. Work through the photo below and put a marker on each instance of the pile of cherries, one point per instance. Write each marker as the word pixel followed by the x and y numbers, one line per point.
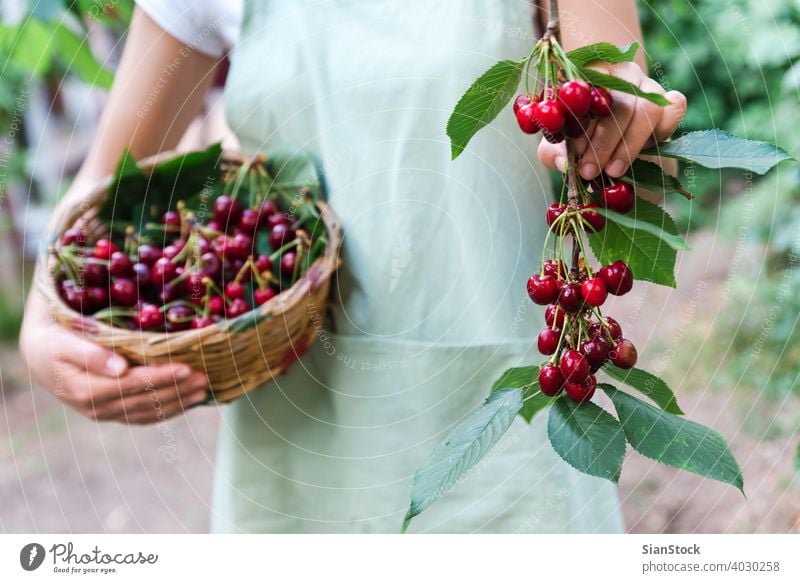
pixel 194 276
pixel 564 112
pixel 579 338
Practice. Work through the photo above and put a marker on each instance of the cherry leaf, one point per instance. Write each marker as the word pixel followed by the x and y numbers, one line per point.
pixel 646 383
pixel 648 256
pixel 463 447
pixel 603 51
pixel 649 176
pixel 719 149
pixel 617 84
pixel 527 379
pixel 587 438
pixel 674 440
pixel 481 103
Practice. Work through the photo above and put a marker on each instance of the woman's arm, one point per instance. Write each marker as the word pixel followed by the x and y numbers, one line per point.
pixel 616 140
pixel 157 91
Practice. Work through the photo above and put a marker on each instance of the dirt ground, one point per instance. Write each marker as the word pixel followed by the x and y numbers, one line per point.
pixel 59 472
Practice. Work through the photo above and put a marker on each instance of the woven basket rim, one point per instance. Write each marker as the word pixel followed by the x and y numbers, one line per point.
pixel 322 269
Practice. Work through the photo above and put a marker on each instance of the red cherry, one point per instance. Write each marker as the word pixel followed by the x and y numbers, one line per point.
pixel 269 208
pixel 120 265
pixel 263 263
pixel 596 220
pixel 554 315
pixel 623 355
pixel 550 380
pixel 594 292
pixel 542 290
pixel 581 392
pixel 234 290
pixel 548 340
pixel 149 317
pixel 251 220
pixel 141 275
pixel 288 262
pixel 93 273
pixel 216 305
pixel 619 198
pixel 549 114
pixel 227 211
pixel 554 211
pixel 280 235
pixel 74 236
pixel 573 128
pixel 276 219
pixel 201 322
pixel 194 288
pixel 97 297
pixel 124 292
pixel 263 295
pixel 618 277
pixel 555 268
pixel 236 308
pixel 216 226
pixel 74 296
pixel 602 102
pixel 171 219
pixel 574 366
pixel 148 254
pixel 179 317
pixel 103 249
pixel 576 97
pixel 171 251
pixel 596 351
pixel 521 101
pixel 570 299
pixel 526 120
pixel 614 329
pixel 164 271
pixel 169 292
pixel 210 265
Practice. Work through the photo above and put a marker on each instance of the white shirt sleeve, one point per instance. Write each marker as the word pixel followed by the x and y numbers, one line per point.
pixel 208 26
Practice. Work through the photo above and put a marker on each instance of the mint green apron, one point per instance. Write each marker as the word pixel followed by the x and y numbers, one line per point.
pixel 430 302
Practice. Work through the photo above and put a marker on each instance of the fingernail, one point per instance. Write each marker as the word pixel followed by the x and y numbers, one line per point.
pixel 616 168
pixel 589 171
pixel 115 365
pixel 561 163
pixel 182 373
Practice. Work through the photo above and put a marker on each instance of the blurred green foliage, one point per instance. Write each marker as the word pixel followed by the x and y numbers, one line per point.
pixel 735 62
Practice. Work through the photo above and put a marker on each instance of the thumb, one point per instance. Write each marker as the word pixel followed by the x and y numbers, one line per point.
pixel 92 358
pixel 553 156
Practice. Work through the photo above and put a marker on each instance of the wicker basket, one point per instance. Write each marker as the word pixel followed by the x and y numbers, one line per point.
pixel 237 355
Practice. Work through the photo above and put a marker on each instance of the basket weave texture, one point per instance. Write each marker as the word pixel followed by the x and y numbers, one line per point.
pixel 237 355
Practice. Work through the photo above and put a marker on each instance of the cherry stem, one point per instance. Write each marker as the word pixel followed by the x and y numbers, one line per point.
pixel 285 247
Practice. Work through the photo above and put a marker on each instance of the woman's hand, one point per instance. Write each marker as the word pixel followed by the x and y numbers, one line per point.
pixel 612 143
pixel 98 383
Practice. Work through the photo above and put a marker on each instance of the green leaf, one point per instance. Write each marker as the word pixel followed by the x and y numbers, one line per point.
pixel 587 438
pixel 127 190
pixel 648 256
pixel 617 84
pixel 31 47
pixel 297 181
pixel 527 379
pixel 650 176
pixel 674 440
pixel 463 447
pixel 646 383
pixel 75 53
pixel 797 459
pixel 633 223
pixel 719 149
pixel 603 51
pixel 481 103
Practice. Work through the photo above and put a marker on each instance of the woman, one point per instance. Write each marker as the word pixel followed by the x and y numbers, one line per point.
pixel 430 304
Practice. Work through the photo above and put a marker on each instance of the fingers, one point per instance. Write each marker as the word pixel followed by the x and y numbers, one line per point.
pixel 87 356
pixel 154 404
pixel 607 135
pixel 671 115
pixel 640 130
pixel 553 155
pixel 137 380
